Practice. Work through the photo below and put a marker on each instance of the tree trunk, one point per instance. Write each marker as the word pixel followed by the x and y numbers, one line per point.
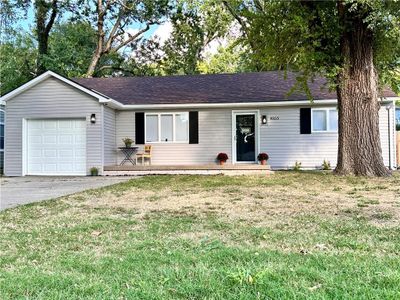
pixel 43 8
pixel 100 39
pixel 93 64
pixel 359 150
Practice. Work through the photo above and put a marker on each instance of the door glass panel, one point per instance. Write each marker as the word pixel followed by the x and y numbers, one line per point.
pixel 245 138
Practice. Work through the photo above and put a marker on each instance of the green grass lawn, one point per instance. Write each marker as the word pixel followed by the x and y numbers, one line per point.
pixel 292 235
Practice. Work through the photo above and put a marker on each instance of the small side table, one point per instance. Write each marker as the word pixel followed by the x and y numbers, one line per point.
pixel 128 152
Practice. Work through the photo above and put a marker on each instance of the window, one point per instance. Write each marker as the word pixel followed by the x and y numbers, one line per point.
pixel 1 140
pixel 167 127
pixel 324 120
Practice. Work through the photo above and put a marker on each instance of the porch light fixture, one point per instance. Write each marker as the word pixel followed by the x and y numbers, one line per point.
pixel 264 119
pixel 93 118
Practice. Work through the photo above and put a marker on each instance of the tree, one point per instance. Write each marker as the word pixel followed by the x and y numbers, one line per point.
pixel 45 15
pixel 196 23
pixel 46 12
pixel 113 19
pixel 355 43
pixel 229 59
pixel 71 45
pixel 18 62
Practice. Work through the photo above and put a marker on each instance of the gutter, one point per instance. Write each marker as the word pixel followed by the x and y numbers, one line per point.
pixel 118 105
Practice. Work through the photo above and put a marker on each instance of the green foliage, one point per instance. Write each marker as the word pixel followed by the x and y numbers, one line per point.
pixel 71 47
pixel 17 61
pixel 297 166
pixel 230 59
pixel 196 23
pixel 326 165
pixel 305 35
pixel 94 171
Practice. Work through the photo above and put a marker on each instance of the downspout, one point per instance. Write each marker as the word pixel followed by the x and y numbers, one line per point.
pixel 389 110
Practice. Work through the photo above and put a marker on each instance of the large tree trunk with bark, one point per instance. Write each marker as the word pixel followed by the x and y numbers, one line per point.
pixel 43 8
pixel 359 150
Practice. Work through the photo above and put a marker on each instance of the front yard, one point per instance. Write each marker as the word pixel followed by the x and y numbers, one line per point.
pixel 306 235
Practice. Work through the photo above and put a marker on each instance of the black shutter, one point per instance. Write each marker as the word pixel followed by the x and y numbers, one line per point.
pixel 305 120
pixel 193 127
pixel 139 128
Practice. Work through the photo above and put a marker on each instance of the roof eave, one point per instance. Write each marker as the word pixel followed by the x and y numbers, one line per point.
pixel 46 75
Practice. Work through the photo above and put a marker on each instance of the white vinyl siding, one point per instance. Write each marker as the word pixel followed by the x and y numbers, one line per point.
pixel 281 139
pixel 51 99
pixel 215 135
pixel 2 118
pixel 110 147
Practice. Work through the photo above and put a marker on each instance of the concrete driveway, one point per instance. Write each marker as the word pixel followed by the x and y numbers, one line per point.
pixel 16 191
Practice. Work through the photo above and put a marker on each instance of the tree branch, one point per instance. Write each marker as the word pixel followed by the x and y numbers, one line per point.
pixel 133 37
pixel 54 12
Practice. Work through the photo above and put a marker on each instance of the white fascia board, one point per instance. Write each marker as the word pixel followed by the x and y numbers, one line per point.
pixel 230 105
pixel 237 105
pixel 43 77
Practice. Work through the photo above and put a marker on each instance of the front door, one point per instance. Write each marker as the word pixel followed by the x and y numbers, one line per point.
pixel 245 137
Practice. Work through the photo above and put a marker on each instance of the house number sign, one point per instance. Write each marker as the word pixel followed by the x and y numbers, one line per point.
pixel 272 118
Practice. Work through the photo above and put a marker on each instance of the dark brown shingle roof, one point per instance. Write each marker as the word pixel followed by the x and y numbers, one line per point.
pixel 216 88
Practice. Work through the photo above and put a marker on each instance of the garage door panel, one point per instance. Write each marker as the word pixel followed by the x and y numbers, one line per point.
pixel 65 124
pixel 66 139
pixel 50 139
pixel 79 139
pixel 56 147
pixel 35 125
pixel 47 167
pixel 66 154
pixel 50 124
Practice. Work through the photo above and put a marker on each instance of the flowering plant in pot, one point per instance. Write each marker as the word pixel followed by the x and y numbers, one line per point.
pixel 222 158
pixel 128 142
pixel 262 158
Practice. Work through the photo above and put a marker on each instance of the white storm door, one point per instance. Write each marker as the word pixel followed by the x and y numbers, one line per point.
pixel 56 147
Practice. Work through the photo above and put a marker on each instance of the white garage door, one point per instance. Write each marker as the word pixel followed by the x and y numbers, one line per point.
pixel 56 147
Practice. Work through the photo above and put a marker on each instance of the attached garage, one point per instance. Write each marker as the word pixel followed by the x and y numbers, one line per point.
pixel 54 127
pixel 56 147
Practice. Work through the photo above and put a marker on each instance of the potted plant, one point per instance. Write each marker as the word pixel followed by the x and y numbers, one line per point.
pixel 222 158
pixel 94 171
pixel 262 158
pixel 128 142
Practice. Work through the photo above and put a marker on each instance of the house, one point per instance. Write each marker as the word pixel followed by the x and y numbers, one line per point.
pixel 58 126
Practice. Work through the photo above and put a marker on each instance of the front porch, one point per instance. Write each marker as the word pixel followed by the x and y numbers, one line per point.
pixel 206 169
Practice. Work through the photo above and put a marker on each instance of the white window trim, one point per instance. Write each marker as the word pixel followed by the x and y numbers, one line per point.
pixel 328 129
pixel 159 114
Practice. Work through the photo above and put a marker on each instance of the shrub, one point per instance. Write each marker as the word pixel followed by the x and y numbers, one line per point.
pixel 297 166
pixel 326 165
pixel 262 156
pixel 222 156
pixel 94 171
